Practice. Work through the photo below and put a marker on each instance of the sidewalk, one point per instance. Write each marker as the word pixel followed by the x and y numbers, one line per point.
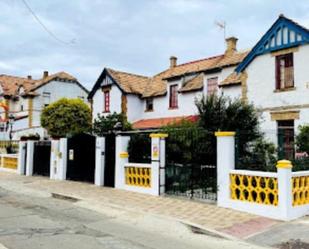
pixel 207 216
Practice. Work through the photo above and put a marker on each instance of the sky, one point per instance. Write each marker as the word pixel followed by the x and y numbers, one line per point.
pixel 136 36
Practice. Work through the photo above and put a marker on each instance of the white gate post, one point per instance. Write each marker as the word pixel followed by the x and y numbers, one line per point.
pixel 225 163
pixel 99 161
pixel 284 170
pixel 62 168
pixel 158 162
pixel 29 160
pixel 21 169
pixel 122 158
pixel 54 153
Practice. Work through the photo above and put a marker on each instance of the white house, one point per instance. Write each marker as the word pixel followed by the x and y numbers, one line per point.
pixel 272 76
pixel 150 102
pixel 24 98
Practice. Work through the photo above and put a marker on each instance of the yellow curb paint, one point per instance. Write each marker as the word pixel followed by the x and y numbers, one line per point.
pixel 284 164
pixel 158 135
pixel 123 154
pixel 225 133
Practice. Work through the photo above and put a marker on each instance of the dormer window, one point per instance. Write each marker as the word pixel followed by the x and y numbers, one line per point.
pixel 284 72
pixel 149 104
pixel 173 96
pixel 212 85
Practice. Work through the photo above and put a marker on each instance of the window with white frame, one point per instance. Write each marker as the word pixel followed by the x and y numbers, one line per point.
pixel 46 98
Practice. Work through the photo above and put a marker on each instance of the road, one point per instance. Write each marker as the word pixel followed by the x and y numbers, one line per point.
pixel 28 221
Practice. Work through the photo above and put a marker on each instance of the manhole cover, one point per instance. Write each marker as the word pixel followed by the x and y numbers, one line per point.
pixel 293 244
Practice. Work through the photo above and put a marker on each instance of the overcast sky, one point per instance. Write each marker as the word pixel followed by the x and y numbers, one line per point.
pixel 137 36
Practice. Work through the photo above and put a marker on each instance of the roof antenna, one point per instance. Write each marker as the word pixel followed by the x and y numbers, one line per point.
pixel 222 25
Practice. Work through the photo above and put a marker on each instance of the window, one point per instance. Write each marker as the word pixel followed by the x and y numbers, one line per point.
pixel 106 101
pixel 212 86
pixel 46 98
pixel 284 71
pixel 286 139
pixel 149 104
pixel 173 96
pixel 21 107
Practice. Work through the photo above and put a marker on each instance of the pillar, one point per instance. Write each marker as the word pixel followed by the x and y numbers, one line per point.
pixel 29 160
pixel 284 170
pixel 225 163
pixel 21 168
pixel 158 162
pixel 54 156
pixel 99 161
pixel 122 157
pixel 62 157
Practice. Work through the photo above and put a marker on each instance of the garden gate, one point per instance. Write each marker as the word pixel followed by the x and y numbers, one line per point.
pixel 110 153
pixel 191 164
pixel 81 158
pixel 41 158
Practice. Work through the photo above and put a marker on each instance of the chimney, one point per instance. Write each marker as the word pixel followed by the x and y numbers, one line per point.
pixel 45 74
pixel 173 61
pixel 29 77
pixel 231 43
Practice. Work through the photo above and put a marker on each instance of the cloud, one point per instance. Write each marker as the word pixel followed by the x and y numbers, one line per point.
pixel 137 36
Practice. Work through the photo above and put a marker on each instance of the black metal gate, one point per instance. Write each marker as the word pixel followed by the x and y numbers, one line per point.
pixel 191 164
pixel 81 158
pixel 110 154
pixel 41 158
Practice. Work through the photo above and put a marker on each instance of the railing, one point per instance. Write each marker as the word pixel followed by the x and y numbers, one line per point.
pixel 138 175
pixel 254 186
pixel 300 188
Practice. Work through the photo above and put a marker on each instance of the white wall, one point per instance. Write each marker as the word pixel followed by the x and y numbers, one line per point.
pixel 261 88
pixel 261 81
pixel 115 101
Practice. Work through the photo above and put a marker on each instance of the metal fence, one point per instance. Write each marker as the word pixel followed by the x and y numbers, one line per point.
pixel 191 164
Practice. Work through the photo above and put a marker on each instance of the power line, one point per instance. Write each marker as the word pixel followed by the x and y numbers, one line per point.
pixel 44 26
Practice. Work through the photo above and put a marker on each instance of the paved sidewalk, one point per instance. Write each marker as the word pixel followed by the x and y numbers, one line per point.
pixel 208 216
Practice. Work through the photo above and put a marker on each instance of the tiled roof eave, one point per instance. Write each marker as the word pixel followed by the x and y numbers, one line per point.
pixel 230 84
pixel 191 90
pixel 210 70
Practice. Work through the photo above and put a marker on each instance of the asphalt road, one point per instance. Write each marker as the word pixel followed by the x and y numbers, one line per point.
pixel 45 222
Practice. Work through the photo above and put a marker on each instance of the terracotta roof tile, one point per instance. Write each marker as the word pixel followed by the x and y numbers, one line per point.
pixel 11 84
pixel 193 84
pixel 160 122
pixel 233 79
pixel 128 82
pixel 157 85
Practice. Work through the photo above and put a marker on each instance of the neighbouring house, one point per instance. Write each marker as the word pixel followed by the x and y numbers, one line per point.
pixel 25 98
pixel 272 75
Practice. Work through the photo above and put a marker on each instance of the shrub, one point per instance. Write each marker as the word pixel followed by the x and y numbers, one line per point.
pixel 104 124
pixel 66 117
pixel 225 114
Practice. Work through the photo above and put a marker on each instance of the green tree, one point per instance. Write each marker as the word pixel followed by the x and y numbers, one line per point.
pixel 104 124
pixel 66 117
pixel 222 113
pixel 302 139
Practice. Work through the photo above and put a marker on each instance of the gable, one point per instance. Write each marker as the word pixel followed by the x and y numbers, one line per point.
pixel 284 33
